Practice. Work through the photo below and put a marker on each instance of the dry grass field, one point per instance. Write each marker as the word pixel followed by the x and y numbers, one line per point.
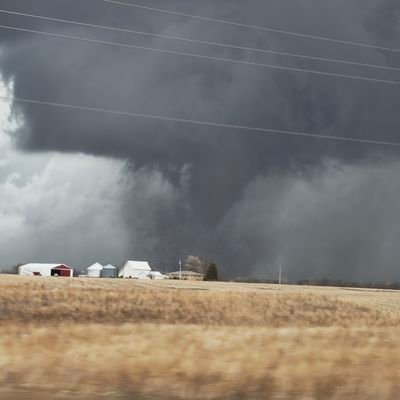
pixel 125 339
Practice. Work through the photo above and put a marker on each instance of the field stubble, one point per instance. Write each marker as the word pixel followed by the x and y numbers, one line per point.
pixel 86 339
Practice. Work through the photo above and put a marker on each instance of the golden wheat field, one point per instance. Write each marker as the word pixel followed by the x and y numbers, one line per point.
pixel 171 340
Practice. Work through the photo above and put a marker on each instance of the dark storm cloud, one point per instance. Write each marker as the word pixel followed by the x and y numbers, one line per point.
pixel 204 174
pixel 334 221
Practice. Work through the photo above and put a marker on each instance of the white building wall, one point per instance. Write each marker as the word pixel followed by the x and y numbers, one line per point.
pixel 135 270
pixel 134 273
pixel 94 271
pixel 30 269
pixel 43 269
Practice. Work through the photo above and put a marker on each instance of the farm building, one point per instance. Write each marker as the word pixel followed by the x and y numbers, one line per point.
pixel 186 275
pixel 94 271
pixel 136 270
pixel 157 275
pixel 33 269
pixel 109 271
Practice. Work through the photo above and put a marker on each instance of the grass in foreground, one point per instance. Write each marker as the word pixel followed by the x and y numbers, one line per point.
pixel 117 339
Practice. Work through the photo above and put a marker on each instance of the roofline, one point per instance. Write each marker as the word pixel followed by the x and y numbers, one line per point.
pixel 138 261
pixel 53 265
pixel 185 272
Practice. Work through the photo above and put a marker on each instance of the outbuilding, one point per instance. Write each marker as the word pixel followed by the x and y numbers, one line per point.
pixel 109 271
pixel 135 270
pixel 94 271
pixel 39 269
pixel 156 275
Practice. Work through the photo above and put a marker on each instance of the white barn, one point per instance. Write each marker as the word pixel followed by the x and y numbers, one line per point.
pixel 94 271
pixel 136 270
pixel 38 269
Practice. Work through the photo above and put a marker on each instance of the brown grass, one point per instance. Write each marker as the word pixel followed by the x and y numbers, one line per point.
pixel 88 339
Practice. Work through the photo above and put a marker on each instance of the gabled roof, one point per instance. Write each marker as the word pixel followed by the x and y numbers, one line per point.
pixel 44 265
pixel 157 273
pixel 62 266
pixel 95 266
pixel 142 265
pixel 187 273
pixel 109 266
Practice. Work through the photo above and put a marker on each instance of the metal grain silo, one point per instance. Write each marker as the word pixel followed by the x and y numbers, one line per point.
pixel 109 271
pixel 94 271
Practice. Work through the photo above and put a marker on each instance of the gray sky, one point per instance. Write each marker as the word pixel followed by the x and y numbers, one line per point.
pixel 79 186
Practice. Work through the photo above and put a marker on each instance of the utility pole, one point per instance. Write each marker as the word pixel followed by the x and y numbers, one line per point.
pixel 280 274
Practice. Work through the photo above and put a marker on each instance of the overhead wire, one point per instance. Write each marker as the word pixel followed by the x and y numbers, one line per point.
pixel 256 27
pixel 202 42
pixel 204 57
pixel 192 121
pixel 200 122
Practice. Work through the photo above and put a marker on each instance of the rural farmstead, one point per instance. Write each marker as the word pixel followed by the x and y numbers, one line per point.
pixel 46 270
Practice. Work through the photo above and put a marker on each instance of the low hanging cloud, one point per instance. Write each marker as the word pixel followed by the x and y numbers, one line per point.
pixel 338 221
pixel 58 207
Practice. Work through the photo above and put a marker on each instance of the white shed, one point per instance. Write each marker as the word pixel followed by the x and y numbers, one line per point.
pixel 94 271
pixel 157 275
pixel 136 270
pixel 40 269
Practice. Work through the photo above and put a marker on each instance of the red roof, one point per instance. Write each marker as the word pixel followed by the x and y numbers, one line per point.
pixel 62 266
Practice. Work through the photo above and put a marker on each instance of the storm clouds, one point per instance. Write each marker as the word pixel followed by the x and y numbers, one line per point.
pixel 247 200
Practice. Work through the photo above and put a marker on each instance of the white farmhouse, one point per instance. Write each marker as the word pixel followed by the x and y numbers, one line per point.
pixel 135 270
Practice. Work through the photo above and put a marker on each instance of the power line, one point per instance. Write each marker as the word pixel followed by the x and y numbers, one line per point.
pixel 203 42
pixel 200 123
pixel 281 31
pixel 204 57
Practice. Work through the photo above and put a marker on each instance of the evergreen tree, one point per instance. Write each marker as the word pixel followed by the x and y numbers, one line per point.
pixel 212 273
